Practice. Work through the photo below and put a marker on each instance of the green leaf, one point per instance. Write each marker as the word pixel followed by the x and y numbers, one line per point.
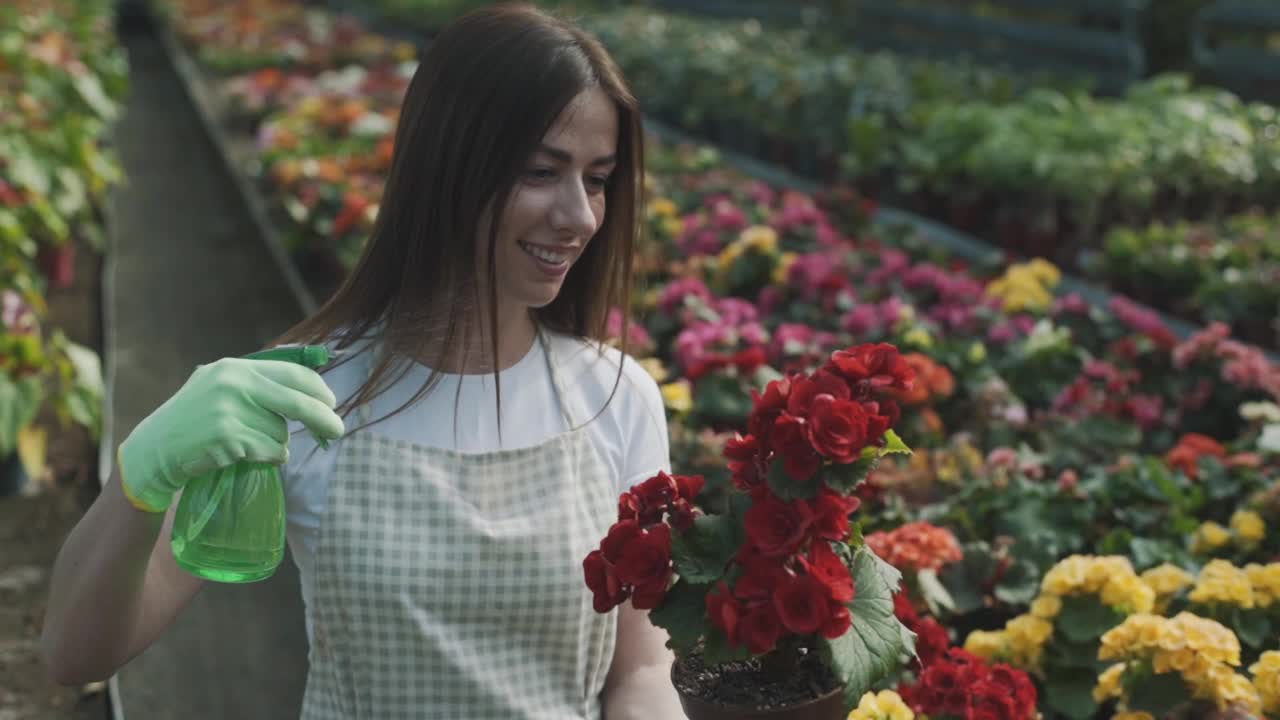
pixel 894 445
pixel 1084 618
pixel 876 641
pixel 934 592
pixel 720 398
pixel 90 88
pixel 1252 626
pixel 717 650
pixel 1157 694
pixel 702 553
pixel 782 485
pixel 683 614
pixel 844 478
pixel 1070 692
pixel 20 402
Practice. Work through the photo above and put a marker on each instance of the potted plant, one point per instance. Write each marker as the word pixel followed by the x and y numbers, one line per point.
pixel 774 606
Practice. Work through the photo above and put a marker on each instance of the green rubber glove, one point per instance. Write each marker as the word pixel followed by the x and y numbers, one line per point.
pixel 231 410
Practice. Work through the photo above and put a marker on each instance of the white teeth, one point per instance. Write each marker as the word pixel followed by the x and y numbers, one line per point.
pixel 547 255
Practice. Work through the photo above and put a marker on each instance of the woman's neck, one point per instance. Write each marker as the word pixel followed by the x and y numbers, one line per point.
pixel 473 353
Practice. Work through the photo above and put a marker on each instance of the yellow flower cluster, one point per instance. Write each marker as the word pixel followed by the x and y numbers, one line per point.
pixel 1220 582
pixel 885 705
pixel 1026 286
pixel 758 238
pixel 1021 642
pixel 1265 580
pixel 1110 577
pixel 1266 679
pixel 1202 651
pixel 1209 537
pixel 1248 527
pixel 668 216
pixel 782 272
pixel 1166 581
pixel 678 396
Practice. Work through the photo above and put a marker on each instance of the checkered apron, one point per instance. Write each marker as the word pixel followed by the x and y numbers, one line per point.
pixel 449 584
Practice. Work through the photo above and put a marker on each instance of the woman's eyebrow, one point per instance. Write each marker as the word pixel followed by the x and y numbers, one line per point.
pixel 565 156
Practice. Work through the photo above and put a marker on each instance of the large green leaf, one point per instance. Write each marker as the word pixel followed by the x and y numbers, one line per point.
pixel 1157 694
pixel 702 552
pixel 876 641
pixel 683 614
pixel 1070 693
pixel 1084 618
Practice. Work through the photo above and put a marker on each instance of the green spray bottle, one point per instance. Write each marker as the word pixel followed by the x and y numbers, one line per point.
pixel 230 523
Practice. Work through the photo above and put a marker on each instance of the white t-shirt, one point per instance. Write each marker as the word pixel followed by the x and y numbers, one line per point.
pixel 631 433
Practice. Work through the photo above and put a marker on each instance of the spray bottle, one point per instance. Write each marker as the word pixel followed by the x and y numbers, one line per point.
pixel 230 523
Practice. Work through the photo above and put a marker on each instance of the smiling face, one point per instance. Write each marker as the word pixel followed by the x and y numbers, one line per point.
pixel 556 206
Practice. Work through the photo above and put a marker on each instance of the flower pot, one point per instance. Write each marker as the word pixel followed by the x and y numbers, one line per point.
pixel 827 706
pixel 58 264
pixel 13 477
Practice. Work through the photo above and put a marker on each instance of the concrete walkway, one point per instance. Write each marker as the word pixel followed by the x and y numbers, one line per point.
pixel 187 281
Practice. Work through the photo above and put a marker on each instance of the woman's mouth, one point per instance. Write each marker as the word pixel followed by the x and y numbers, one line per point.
pixel 552 262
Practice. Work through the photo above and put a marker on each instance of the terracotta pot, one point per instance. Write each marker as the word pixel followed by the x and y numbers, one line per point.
pixel 58 264
pixel 826 707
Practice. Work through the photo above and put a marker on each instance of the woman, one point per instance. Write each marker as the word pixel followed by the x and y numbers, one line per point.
pixel 440 547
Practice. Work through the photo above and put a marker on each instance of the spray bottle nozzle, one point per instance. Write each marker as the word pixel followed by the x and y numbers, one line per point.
pixel 312 356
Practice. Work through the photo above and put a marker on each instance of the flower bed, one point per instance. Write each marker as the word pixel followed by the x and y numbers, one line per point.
pixel 1043 428
pixel 61 79
pixel 1227 272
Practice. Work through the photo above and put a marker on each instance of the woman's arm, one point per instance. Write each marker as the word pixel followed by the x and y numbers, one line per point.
pixel 639 686
pixel 115 588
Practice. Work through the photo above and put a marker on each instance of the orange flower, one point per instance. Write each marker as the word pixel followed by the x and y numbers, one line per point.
pixel 933 380
pixel 1186 455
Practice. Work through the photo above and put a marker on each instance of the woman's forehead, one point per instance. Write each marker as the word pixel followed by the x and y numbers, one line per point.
pixel 587 129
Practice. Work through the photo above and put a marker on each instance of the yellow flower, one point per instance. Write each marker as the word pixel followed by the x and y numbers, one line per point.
pixel 1222 582
pixel 663 208
pixel 1109 683
pixel 1128 594
pixel 1044 271
pixel 1132 715
pixel 1234 689
pixel 1046 607
pixel 885 705
pixel 782 272
pixel 1209 638
pixel 678 396
pixel 1067 576
pixel 1265 580
pixel 977 352
pixel 1266 679
pixel 1026 636
pixel 672 226
pixel 988 645
pixel 759 237
pixel 1248 526
pixel 655 368
pixel 725 259
pixel 918 337
pixel 1210 536
pixel 1167 579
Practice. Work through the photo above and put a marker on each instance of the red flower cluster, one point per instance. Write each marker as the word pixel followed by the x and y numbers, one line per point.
pixel 832 415
pixel 787 577
pixel 745 361
pixel 962 685
pixel 792 580
pixel 634 560
pixel 916 546
pixel 932 639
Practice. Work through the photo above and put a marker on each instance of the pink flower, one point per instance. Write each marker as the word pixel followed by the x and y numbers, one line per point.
pixel 674 294
pixel 861 320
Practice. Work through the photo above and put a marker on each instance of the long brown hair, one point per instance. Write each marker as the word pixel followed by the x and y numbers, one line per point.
pixel 489 87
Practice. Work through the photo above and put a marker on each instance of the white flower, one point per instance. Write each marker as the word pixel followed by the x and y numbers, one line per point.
pixel 1267 411
pixel 1269 440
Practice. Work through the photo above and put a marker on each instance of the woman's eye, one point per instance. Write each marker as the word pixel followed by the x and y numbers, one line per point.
pixel 541 173
pixel 597 182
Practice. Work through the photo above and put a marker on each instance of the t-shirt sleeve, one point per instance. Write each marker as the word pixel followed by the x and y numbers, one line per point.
pixel 647 449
